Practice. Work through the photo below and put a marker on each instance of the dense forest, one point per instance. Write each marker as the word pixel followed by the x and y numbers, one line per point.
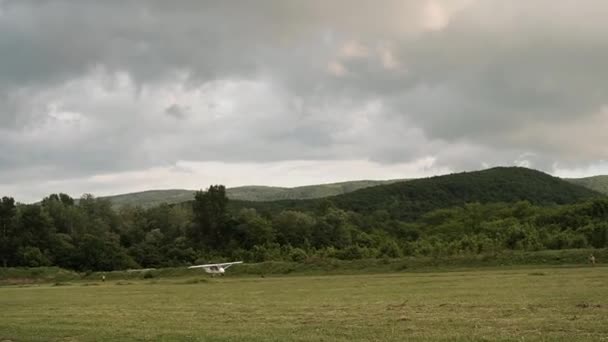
pixel 468 213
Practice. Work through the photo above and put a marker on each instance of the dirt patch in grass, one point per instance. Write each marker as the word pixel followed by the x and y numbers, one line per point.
pixel 193 281
pixel 16 281
pixel 392 307
pixel 588 306
pixel 123 283
pixel 61 284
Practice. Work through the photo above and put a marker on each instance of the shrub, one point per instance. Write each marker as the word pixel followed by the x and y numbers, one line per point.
pixel 148 275
pixel 33 257
pixel 298 255
pixel 390 249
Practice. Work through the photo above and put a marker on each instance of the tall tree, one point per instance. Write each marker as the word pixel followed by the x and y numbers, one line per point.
pixel 35 227
pixel 7 241
pixel 210 217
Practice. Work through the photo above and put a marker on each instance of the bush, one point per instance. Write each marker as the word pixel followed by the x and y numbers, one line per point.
pixel 578 241
pixel 351 253
pixel 298 255
pixel 390 249
pixel 268 252
pixel 148 275
pixel 33 257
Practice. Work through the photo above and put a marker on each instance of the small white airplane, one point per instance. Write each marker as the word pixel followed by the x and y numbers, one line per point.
pixel 216 268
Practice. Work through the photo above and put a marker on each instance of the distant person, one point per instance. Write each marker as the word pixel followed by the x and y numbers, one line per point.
pixel 592 260
pixel 103 278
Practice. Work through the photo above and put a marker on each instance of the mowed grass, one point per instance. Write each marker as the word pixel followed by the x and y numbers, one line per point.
pixel 544 304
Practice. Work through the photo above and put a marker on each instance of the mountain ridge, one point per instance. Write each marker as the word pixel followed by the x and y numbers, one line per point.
pixel 408 200
pixel 150 198
pixel 598 183
pixel 262 193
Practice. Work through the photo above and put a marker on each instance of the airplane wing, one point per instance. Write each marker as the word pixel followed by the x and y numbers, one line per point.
pixel 228 264
pixel 202 266
pixel 224 265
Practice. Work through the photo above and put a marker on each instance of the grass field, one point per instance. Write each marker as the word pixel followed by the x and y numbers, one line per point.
pixel 542 304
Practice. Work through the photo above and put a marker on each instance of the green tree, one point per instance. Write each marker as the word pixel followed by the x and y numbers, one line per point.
pixel 102 253
pixel 210 217
pixel 149 252
pixel 390 249
pixel 33 257
pixel 253 229
pixel 294 228
pixel 34 227
pixel 8 211
pixel 63 250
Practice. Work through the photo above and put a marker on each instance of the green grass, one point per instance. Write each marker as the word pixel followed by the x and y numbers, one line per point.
pixel 525 304
pixel 324 266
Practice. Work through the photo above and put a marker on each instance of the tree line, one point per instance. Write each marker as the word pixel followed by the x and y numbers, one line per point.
pixel 89 234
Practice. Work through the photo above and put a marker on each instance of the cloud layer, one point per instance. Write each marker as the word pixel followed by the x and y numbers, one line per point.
pixel 93 89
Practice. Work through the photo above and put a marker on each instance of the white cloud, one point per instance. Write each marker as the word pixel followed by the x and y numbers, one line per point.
pixel 597 168
pixel 337 69
pixel 142 86
pixel 353 49
pixel 435 16
pixel 199 175
pixel 388 59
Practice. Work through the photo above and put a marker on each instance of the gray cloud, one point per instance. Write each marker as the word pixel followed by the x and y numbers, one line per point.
pixel 92 87
pixel 177 111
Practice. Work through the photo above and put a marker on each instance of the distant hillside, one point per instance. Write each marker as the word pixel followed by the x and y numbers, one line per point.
pixel 245 193
pixel 596 183
pixel 408 200
pixel 467 185
pixel 151 198
pixel 266 193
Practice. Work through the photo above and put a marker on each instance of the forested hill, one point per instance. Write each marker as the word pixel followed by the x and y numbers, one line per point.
pixel 408 200
pixel 267 193
pixel 597 183
pixel 148 199
pixel 153 198
pixel 443 215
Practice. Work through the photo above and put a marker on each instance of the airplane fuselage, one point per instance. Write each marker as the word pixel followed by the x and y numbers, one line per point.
pixel 215 270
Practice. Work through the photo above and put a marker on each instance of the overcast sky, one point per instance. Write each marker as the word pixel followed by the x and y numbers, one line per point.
pixel 107 97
